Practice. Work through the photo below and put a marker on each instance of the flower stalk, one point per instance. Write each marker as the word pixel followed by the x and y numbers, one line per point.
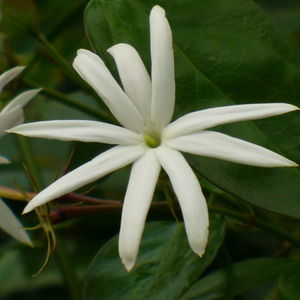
pixel 94 206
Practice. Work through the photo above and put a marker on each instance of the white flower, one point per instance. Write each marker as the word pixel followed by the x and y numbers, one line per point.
pixel 148 141
pixel 10 224
pixel 10 116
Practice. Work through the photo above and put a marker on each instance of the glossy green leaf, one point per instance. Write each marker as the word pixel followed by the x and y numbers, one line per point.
pixel 19 17
pixel 288 285
pixel 165 269
pixel 225 53
pixel 237 279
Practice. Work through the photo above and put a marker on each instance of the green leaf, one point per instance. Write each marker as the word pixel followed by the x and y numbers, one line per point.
pixel 224 54
pixel 165 269
pixel 288 285
pixel 237 279
pixel 20 18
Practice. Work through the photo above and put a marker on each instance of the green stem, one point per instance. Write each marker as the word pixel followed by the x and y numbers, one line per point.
pixel 68 271
pixel 99 114
pixel 249 219
pixel 29 160
pixel 65 66
pixel 60 61
pixel 66 213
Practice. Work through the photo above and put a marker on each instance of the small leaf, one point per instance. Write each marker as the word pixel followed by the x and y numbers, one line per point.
pixel 20 18
pixel 165 269
pixel 237 279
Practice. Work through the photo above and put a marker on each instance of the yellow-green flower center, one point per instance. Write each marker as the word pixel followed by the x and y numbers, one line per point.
pixel 151 142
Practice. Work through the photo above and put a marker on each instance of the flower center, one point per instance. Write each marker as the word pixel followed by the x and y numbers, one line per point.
pixel 151 142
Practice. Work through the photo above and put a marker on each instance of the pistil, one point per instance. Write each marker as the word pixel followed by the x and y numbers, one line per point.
pixel 150 141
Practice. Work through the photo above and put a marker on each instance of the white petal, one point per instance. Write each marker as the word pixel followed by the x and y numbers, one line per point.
pixel 163 77
pixel 78 130
pixel 10 119
pixel 93 70
pixel 20 100
pixel 190 197
pixel 9 75
pixel 4 160
pixel 134 77
pixel 211 117
pixel 222 146
pixel 107 162
pixel 10 224
pixel 142 183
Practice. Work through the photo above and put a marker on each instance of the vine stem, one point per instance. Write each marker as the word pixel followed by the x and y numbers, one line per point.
pixel 60 61
pixel 65 66
pixel 98 206
pixel 28 158
pixel 67 100
pixel 251 220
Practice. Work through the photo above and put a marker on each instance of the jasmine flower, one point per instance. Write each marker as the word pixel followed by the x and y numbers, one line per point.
pixel 148 140
pixel 10 116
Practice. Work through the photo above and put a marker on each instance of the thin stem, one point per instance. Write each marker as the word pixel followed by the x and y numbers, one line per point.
pixel 66 67
pixel 29 160
pixel 250 220
pixel 12 194
pixel 62 214
pixel 98 206
pixel 278 231
pixel 68 270
pixel 60 61
pixel 99 114
pixel 72 198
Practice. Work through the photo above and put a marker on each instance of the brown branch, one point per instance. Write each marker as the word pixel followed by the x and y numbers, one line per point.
pixel 61 214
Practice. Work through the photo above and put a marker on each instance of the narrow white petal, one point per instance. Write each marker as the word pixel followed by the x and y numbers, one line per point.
pixel 134 76
pixel 20 100
pixel 211 117
pixel 107 162
pixel 10 224
pixel 222 146
pixel 4 160
pixel 190 197
pixel 9 75
pixel 141 186
pixel 162 73
pixel 10 119
pixel 93 70
pixel 78 130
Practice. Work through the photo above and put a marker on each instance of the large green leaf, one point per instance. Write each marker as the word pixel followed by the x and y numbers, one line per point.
pixel 226 52
pixel 165 269
pixel 237 279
